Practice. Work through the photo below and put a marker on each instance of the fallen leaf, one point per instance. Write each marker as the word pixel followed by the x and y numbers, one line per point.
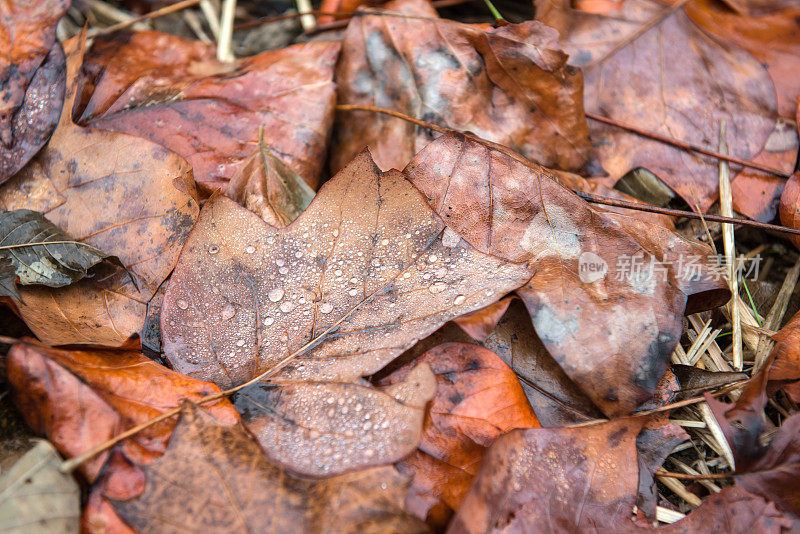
pixel 80 399
pixel 24 238
pixel 609 319
pixel 654 443
pixel 480 323
pixel 217 475
pixel 510 85
pixel 325 428
pixel 109 191
pixel 35 494
pixel 173 91
pixel 583 479
pixel 478 398
pixel 673 80
pixel 362 274
pixel 31 79
pixel 790 206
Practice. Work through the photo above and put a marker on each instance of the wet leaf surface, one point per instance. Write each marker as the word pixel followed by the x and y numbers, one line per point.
pixel 35 492
pixel 210 112
pixel 23 238
pixel 79 399
pixel 510 85
pixel 204 457
pixel 362 274
pixel 682 95
pixel 31 79
pixel 107 190
pixel 478 398
pixel 325 429
pixel 611 327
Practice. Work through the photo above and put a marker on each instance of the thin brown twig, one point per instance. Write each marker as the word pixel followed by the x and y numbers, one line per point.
pixel 147 16
pixel 686 146
pixel 701 476
pixel 586 196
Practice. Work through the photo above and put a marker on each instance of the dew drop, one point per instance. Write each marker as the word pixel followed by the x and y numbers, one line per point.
pixel 279 262
pixel 367 425
pixel 213 249
pixel 432 258
pixel 437 287
pixel 336 233
pixel 228 311
pixel 182 304
pixel 298 254
pixel 275 294
pixel 459 299
pixel 250 249
pixel 338 272
pixel 268 321
pixel 287 306
pixel 353 292
pixel 450 238
pixel 369 453
pixel 240 343
pixel 330 400
pixel 283 270
pixel 326 307
pixel 384 242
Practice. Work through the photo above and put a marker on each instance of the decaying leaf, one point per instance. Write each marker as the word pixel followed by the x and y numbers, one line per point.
pixel 324 428
pixel 34 494
pixel 121 194
pixel 510 85
pixel 174 92
pixel 582 479
pixel 31 79
pixel 656 440
pixel 674 80
pixel 24 235
pixel 362 274
pixel 790 206
pixel 608 291
pixel 217 475
pixel 478 398
pixel 79 399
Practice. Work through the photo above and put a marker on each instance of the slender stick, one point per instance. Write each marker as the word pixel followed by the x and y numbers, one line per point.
pixel 586 196
pixel 686 146
pixel 147 16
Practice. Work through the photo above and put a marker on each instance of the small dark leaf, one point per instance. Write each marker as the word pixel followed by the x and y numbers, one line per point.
pixel 40 253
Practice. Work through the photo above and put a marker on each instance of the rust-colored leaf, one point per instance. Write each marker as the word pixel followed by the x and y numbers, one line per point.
pixel 510 85
pixel 213 475
pixel 362 274
pixel 582 479
pixel 674 80
pixel 173 92
pixel 79 399
pixel 31 79
pixel 609 324
pixel 325 428
pixel 123 195
pixel 790 206
pixel 478 398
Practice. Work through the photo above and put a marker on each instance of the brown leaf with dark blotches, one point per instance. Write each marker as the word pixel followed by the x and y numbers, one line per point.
pixel 584 480
pixel 354 281
pixel 121 194
pixel 174 92
pixel 79 399
pixel 510 85
pixel 213 476
pixel 478 398
pixel 31 79
pixel 674 80
pixel 609 290
pixel 329 428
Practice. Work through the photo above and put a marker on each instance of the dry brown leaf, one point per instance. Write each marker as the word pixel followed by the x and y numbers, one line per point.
pixel 610 324
pixel 173 91
pixel 327 428
pixel 110 191
pixel 478 398
pixel 362 274
pixel 510 85
pixel 673 80
pixel 213 476
pixel 79 399
pixel 31 79
pixel 790 206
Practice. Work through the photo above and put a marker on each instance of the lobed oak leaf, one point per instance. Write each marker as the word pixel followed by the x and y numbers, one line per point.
pixel 478 398
pixel 674 80
pixel 173 92
pixel 107 190
pixel 362 274
pixel 214 476
pixel 32 79
pixel 510 85
pixel 610 328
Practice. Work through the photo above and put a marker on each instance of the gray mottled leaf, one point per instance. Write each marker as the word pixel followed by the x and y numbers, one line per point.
pixel 36 497
pixel 41 253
